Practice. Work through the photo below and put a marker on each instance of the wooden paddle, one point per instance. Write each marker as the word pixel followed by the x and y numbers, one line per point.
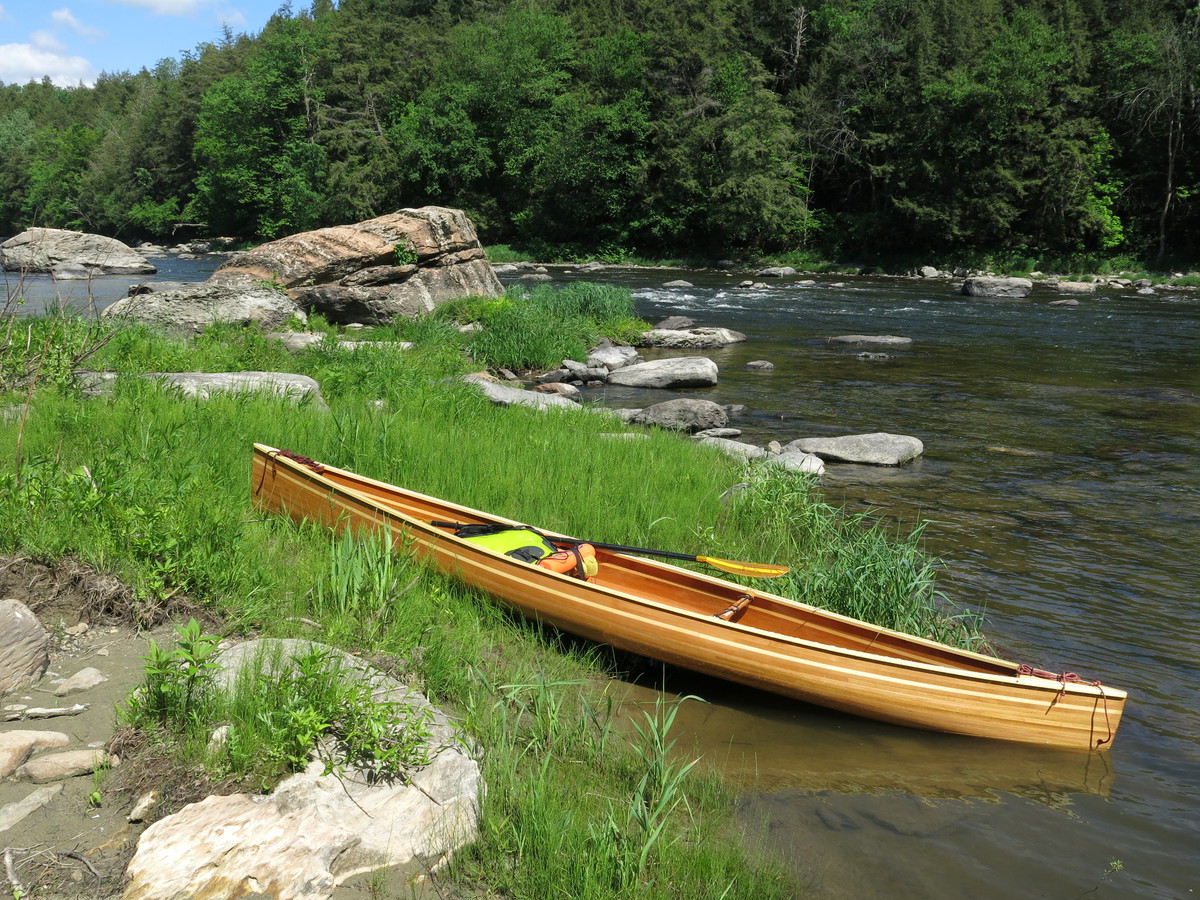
pixel 734 567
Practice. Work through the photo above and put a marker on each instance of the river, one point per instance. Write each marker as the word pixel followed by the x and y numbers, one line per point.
pixel 1061 484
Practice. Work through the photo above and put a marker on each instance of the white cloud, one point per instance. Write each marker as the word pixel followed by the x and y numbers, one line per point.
pixel 62 17
pixel 4 16
pixel 166 7
pixel 20 63
pixel 46 42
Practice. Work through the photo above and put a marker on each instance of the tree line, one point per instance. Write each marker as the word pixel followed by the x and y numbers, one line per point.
pixel 608 127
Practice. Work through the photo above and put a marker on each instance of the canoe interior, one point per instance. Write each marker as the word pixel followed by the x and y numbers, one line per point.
pixel 667 613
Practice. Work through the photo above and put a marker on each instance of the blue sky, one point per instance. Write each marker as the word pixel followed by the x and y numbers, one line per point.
pixel 73 41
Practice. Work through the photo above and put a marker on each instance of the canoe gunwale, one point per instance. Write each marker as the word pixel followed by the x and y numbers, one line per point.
pixel 443 549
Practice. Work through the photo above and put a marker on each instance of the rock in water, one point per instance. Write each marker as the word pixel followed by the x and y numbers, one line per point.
pixel 45 249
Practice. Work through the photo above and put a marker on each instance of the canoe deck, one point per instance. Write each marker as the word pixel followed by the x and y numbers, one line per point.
pixel 670 614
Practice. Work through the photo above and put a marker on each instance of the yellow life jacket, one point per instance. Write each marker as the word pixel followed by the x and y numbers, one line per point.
pixel 531 546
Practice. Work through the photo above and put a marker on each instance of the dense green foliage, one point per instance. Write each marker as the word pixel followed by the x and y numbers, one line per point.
pixel 848 126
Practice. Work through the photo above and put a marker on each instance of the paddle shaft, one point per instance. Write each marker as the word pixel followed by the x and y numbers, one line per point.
pixel 752 570
pixel 621 548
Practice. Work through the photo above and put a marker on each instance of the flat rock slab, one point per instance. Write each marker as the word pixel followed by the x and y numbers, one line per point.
pixel 691 338
pixel 798 461
pixel 871 340
pixel 83 680
pixel 314 831
pixel 16 746
pixel 282 384
pixel 877 449
pixel 737 449
pixel 11 814
pixel 58 766
pixel 503 395
pixel 688 371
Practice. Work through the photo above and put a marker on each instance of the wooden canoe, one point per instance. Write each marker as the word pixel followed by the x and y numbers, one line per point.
pixel 668 613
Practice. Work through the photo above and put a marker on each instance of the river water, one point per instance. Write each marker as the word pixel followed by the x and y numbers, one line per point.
pixel 1061 484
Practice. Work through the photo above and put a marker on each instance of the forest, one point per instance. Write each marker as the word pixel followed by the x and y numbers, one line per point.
pixel 605 128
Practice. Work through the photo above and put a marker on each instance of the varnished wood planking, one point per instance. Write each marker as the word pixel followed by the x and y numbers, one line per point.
pixel 667 613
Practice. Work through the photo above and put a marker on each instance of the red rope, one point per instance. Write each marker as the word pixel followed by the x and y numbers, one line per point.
pixel 1066 678
pixel 303 460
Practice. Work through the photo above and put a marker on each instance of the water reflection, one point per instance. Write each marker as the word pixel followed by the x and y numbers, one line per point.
pixel 772 745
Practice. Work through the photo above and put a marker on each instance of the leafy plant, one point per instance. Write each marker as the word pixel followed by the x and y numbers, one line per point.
pixel 282 711
pixel 406 254
pixel 177 680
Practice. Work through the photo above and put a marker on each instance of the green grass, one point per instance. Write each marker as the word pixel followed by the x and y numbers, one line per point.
pixel 154 488
pixel 539 328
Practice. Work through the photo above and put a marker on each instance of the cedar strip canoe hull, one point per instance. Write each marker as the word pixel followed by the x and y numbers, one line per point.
pixel 668 613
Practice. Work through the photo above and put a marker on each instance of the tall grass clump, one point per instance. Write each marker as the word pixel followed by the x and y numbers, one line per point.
pixel 851 564
pixel 539 328
pixel 579 808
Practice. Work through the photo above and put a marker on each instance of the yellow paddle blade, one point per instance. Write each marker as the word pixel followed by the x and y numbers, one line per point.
pixel 749 569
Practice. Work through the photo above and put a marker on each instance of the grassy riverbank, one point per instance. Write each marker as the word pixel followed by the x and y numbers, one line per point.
pixel 153 487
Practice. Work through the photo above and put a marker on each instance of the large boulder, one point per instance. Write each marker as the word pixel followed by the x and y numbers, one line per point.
pixel 47 249
pixel 877 449
pixel 192 309
pixel 679 372
pixel 395 266
pixel 24 646
pixel 314 831
pixel 684 414
pixel 992 286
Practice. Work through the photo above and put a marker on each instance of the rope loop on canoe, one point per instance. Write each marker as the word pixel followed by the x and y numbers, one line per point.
pixel 1065 678
pixel 303 460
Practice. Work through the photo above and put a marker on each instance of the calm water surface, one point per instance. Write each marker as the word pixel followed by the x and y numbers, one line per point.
pixel 1060 478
